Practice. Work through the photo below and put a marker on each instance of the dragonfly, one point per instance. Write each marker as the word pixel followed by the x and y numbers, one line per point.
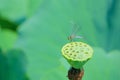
pixel 73 35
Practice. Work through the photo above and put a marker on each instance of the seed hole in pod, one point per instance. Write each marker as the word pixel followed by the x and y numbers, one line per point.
pixel 70 48
pixel 80 43
pixel 75 55
pixel 70 53
pixel 77 52
pixel 76 44
pixel 71 43
pixel 86 52
pixel 85 45
pixel 67 51
pixel 73 51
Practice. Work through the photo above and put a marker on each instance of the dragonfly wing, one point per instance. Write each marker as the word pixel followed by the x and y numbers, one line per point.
pixel 75 28
pixel 78 37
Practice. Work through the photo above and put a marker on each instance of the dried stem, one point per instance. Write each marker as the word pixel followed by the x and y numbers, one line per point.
pixel 75 74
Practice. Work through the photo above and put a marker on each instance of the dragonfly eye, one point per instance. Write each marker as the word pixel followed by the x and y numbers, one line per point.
pixel 69 37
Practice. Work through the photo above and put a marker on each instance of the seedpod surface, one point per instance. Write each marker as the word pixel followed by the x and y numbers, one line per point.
pixel 77 53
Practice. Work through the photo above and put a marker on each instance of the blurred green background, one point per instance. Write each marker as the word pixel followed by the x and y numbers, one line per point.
pixel 32 33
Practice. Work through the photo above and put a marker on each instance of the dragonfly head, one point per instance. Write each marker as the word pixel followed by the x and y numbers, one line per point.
pixel 70 38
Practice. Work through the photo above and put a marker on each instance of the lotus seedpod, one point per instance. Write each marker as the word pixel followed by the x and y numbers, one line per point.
pixel 77 53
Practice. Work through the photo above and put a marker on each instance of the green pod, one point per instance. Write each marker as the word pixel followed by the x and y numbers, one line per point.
pixel 77 53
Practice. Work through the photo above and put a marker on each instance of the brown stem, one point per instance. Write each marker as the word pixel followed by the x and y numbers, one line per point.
pixel 75 74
